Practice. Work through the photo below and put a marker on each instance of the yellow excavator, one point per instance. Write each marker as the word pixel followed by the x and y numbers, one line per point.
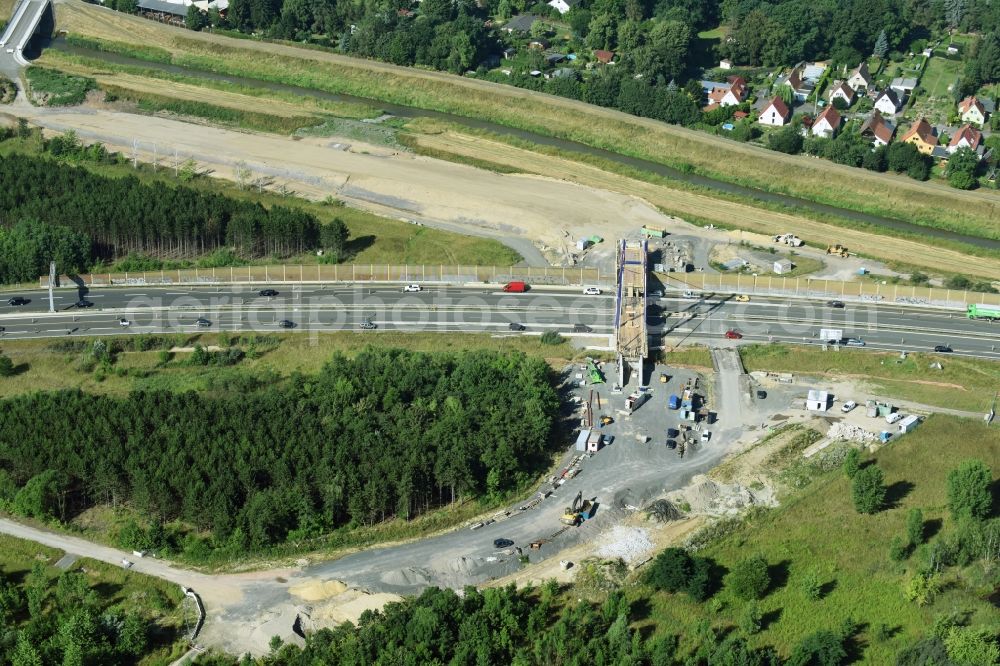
pixel 838 250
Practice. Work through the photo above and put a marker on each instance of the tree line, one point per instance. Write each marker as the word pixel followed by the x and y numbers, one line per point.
pixel 387 433
pixel 83 217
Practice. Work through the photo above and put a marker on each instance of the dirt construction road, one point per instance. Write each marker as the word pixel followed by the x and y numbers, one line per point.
pixel 547 211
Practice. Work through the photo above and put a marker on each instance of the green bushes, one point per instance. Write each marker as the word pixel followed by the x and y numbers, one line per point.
pixel 969 490
pixel 50 87
pixel 868 489
pixel 749 578
pixel 675 570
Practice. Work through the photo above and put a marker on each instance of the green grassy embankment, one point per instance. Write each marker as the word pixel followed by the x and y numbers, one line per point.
pixel 817 532
pixel 961 383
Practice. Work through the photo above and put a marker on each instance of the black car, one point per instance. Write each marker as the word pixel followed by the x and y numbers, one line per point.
pixel 516 327
pixel 502 543
pixel 17 300
pixel 268 292
pixel 581 328
pixel 286 323
pixel 83 303
pixel 944 349
pixel 673 432
pixel 204 323
pixel 761 395
pixel 835 304
pixel 671 444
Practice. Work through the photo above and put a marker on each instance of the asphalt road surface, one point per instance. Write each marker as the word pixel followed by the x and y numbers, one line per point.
pixel 446 308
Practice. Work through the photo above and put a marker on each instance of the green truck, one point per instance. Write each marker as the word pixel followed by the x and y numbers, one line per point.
pixel 984 312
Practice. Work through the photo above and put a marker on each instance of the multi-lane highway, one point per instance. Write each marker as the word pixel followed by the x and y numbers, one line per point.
pixel 485 309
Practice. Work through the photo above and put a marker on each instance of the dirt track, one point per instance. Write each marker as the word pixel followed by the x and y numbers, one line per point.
pixel 521 206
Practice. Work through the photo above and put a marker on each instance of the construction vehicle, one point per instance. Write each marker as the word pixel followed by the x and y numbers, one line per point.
pixel 789 239
pixel 580 511
pixel 984 312
pixel 664 378
pixel 652 232
pixel 593 373
pixel 606 420
pixel 838 249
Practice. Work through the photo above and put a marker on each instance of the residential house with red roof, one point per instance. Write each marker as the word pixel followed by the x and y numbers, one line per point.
pixel 775 113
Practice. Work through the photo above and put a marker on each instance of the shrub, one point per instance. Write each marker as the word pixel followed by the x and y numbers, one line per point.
pixel 812 586
pixel 852 463
pixel 823 648
pixel 675 570
pixel 751 618
pixel 868 490
pixel 969 490
pixel 922 588
pixel 551 338
pixel 750 578
pixel 6 366
pixel 671 570
pixel 915 527
pixel 899 550
pixel 972 646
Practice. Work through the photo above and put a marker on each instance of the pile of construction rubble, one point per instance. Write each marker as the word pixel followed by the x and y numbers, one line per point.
pixel 631 544
pixel 845 432
pixel 705 496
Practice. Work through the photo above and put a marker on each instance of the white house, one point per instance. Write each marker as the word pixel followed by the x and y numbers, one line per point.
pixel 860 77
pixel 563 6
pixel 776 113
pixel 841 90
pixel 972 111
pixel 966 137
pixel 827 123
pixel 725 63
pixel 783 266
pixel 887 102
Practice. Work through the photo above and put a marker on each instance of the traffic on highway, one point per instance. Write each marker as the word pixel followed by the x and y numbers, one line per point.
pixel 574 311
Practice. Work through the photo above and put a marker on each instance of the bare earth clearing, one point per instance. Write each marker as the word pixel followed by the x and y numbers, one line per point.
pixel 802 175
pixel 373 177
pixel 716 210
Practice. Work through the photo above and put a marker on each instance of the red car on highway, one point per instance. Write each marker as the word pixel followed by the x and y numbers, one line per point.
pixel 733 335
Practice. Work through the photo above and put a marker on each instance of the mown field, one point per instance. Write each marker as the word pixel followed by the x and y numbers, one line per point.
pixel 974 213
pixel 967 384
pixel 818 533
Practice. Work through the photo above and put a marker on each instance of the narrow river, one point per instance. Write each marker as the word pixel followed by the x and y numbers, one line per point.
pixel 61 44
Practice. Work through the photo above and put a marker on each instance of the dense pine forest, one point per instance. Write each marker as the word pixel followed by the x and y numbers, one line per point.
pixel 52 210
pixel 387 433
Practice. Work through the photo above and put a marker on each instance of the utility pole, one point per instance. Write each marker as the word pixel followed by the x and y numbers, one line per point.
pixel 135 153
pixel 52 282
pixel 177 164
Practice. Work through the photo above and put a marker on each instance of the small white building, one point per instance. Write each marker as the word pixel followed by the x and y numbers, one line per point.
pixel 783 266
pixel 725 63
pixel 818 401
pixel 563 6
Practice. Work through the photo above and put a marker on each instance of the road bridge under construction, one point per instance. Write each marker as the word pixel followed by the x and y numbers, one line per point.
pixel 631 338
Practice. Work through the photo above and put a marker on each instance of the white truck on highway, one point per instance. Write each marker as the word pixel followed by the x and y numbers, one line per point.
pixel 831 336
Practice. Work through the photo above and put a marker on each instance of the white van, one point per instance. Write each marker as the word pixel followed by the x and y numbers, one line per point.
pixel 893 418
